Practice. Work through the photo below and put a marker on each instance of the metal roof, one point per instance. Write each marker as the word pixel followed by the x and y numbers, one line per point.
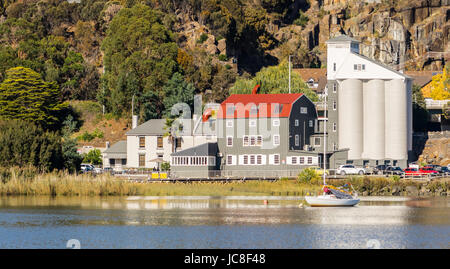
pixel 266 104
pixel 382 65
pixel 207 149
pixel 342 38
pixel 118 150
pixel 150 127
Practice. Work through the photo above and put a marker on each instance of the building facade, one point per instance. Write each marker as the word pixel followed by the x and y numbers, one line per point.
pixel 369 109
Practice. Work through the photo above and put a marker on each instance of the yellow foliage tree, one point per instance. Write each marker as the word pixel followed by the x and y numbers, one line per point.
pixel 440 89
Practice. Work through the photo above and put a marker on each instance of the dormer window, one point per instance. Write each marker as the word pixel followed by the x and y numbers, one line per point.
pixel 359 67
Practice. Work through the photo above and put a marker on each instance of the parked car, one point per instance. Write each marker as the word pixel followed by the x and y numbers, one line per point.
pixel 380 169
pixel 445 170
pixel 428 170
pixel 319 170
pixel 435 167
pixel 98 170
pixel 86 167
pixel 349 169
pixel 394 170
pixel 411 171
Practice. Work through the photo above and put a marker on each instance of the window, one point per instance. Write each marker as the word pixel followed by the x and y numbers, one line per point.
pixel 252 123
pixel 334 127
pixel 297 140
pixel 276 122
pixel 141 160
pixel 276 159
pixel 302 160
pixel 245 141
pixel 258 159
pixel 252 159
pixel 355 67
pixel 229 141
pixel 334 88
pixel 112 161
pixel 159 142
pixel 259 140
pixel 276 140
pixel 303 110
pixel 311 124
pixel 309 160
pixel 231 160
pixel 359 67
pixel 294 160
pixel 335 146
pixel 317 141
pixel 334 67
pixel 124 161
pixel 252 141
pixel 229 123
pixel 178 142
pixel 230 110
pixel 296 123
pixel 277 108
pixel 334 105
pixel 142 142
pixel 364 67
pixel 245 159
pixel 254 110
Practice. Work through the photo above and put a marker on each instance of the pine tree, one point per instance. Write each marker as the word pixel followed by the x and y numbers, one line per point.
pixel 24 95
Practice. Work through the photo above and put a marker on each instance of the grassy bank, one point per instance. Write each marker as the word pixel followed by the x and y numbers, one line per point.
pixel 31 182
pixel 61 184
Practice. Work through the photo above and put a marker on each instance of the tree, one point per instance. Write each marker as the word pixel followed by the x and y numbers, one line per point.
pixel 440 85
pixel 93 157
pixel 23 143
pixel 274 79
pixel 177 90
pixel 140 57
pixel 24 95
pixel 72 159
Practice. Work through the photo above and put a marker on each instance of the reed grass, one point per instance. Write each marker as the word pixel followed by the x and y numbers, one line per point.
pixel 63 184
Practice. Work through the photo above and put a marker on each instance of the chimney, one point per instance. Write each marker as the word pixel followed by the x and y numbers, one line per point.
pixel 107 144
pixel 134 121
pixel 255 89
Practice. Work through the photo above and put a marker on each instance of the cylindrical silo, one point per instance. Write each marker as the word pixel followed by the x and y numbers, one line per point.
pixel 396 121
pixel 350 115
pixel 410 113
pixel 373 105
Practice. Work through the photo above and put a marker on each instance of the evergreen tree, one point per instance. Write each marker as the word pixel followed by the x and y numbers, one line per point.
pixel 24 95
pixel 177 90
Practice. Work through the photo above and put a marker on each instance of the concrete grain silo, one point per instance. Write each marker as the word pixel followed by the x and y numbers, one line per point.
pixel 374 119
pixel 351 117
pixel 370 106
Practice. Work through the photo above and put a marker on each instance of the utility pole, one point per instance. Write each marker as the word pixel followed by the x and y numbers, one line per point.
pixel 325 120
pixel 290 73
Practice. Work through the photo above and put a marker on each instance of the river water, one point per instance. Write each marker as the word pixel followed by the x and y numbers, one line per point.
pixel 221 222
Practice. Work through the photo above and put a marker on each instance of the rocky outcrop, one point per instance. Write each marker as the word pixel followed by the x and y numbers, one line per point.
pixel 437 149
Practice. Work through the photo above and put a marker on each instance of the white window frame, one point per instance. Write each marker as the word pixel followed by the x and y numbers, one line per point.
pixel 279 161
pixel 252 123
pixel 233 159
pixel 320 141
pixel 228 140
pixel 311 124
pixel 297 123
pixel 276 122
pixel 276 140
pixel 334 127
pixel 243 141
pixel 297 140
pixel 303 110
pixel 229 123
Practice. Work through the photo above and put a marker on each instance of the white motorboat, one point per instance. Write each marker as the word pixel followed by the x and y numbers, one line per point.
pixel 330 200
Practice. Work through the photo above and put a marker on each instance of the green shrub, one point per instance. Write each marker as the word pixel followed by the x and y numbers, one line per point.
pixel 165 166
pixel 223 57
pixel 302 19
pixel 202 39
pixel 308 175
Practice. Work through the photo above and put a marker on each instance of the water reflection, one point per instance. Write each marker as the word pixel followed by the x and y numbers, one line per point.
pixel 215 222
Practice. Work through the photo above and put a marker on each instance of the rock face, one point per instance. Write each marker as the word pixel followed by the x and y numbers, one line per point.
pixel 437 149
pixel 410 34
